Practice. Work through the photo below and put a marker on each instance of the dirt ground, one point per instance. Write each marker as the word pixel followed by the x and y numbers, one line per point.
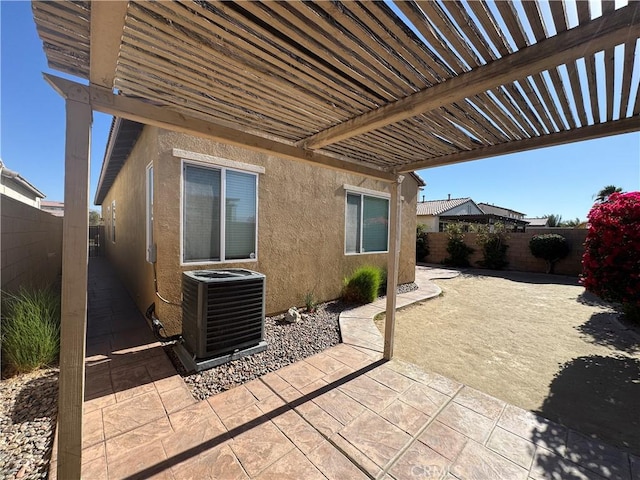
pixel 536 341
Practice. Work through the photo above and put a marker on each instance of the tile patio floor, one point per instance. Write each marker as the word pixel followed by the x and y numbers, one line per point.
pixel 341 414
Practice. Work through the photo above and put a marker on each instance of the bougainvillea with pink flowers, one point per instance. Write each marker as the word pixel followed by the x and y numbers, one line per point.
pixel 611 261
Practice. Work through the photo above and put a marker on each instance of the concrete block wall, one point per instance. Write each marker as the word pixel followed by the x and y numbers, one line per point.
pixel 31 245
pixel 518 253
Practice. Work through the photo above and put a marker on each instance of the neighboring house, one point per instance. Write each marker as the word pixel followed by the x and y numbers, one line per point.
pixel 436 214
pixel 431 212
pixel 13 185
pixel 54 208
pixel 189 203
pixel 537 222
pixel 501 211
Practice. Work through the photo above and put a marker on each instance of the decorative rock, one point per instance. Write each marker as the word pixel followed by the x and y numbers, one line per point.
pixel 292 315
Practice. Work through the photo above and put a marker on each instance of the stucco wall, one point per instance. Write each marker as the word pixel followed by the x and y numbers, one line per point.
pixel 518 253
pixel 31 244
pixel 128 253
pixel 431 221
pixel 300 226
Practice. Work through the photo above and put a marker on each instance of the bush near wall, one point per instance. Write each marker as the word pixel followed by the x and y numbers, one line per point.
pixel 518 255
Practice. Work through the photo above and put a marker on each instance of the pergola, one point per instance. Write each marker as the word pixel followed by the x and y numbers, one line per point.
pixel 375 88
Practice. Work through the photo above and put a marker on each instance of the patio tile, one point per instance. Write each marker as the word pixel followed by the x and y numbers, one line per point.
pixel 202 434
pixel 313 388
pixel 355 455
pixel 300 374
pixel 319 419
pixel 338 375
pixel 244 419
pixel 134 462
pixel 598 457
pixel 512 446
pixel 333 464
pixel 177 398
pixel 92 428
pixel 129 382
pixel 635 467
pixel 410 371
pixel 466 421
pixel 391 379
pixel 259 447
pixel 215 463
pixel 293 466
pixel 259 389
pixel 478 462
pixel 324 362
pixel 97 385
pixel 160 367
pixel 96 469
pixel 369 393
pixel 348 355
pixel 168 383
pixel 377 438
pixel 404 416
pixel 232 401
pixel 296 429
pixel 272 405
pixel 550 466
pixel 480 402
pixel 92 453
pixel 275 382
pixel 445 385
pixel 444 440
pixel 132 413
pixel 534 428
pixel 419 462
pixel 122 444
pixel 424 398
pixel 339 405
pixel 191 415
pixel 101 401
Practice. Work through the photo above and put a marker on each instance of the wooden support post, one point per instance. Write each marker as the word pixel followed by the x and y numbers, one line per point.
pixel 393 262
pixel 75 257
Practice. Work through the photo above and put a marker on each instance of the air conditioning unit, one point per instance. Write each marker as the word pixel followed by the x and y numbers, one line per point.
pixel 222 314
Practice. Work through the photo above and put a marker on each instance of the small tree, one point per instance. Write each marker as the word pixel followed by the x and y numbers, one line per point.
pixel 551 247
pixel 492 240
pixel 456 248
pixel 94 218
pixel 611 261
pixel 422 242
pixel 554 220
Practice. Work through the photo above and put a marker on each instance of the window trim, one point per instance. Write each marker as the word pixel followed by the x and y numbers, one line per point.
pixel 223 167
pixel 149 191
pixel 364 192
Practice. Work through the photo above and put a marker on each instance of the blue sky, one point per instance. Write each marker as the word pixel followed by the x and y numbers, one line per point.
pixel 560 180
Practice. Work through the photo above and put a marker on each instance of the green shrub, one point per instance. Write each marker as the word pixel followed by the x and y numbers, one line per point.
pixel 422 242
pixel 551 247
pixel 363 285
pixel 492 241
pixel 31 329
pixel 458 251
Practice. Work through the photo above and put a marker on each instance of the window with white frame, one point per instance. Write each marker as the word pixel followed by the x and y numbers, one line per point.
pixel 219 214
pixel 366 223
pixel 113 221
pixel 150 213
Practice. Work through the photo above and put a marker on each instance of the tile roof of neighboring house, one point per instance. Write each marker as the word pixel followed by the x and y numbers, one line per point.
pixel 19 179
pixel 488 208
pixel 537 222
pixel 436 207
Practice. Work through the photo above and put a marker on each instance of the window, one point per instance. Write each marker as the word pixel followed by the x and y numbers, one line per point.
pixel 150 246
pixel 366 223
pixel 219 214
pixel 113 221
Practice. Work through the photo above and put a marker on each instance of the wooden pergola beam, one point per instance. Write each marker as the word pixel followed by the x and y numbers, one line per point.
pixel 591 132
pixel 604 32
pixel 107 25
pixel 103 100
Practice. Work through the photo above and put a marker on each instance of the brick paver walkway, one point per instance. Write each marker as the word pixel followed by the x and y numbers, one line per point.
pixel 341 414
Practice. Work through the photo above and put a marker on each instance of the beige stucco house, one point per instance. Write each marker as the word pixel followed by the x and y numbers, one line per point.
pixel 303 226
pixel 429 212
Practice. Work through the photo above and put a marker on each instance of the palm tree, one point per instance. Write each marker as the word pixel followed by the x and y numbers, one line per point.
pixel 603 195
pixel 553 220
pixel 572 223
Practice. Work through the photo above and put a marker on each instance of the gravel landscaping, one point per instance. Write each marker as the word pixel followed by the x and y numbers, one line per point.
pixel 28 412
